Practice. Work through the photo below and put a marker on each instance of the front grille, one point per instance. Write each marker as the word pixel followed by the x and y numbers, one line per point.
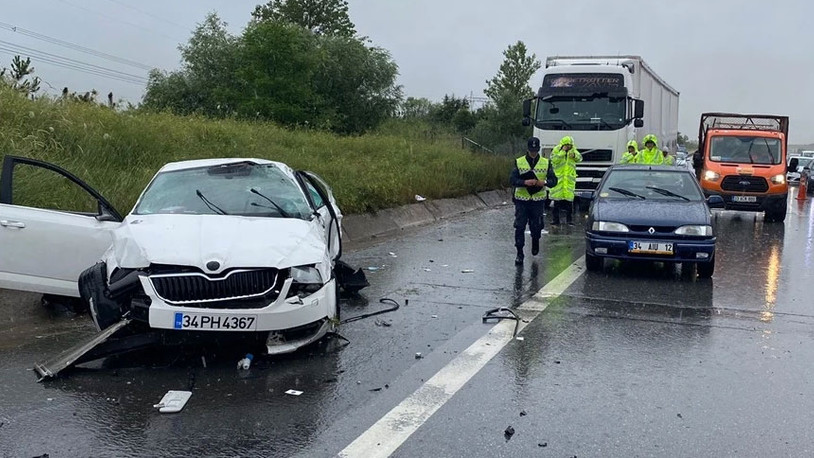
pixel 657 229
pixel 582 173
pixel 197 287
pixel 741 183
pixel 597 155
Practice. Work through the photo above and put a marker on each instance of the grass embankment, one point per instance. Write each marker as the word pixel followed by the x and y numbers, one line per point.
pixel 118 153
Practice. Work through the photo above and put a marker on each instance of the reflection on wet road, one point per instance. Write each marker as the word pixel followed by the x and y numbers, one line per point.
pixel 636 360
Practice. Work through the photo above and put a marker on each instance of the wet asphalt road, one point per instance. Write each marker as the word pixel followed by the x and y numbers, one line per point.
pixel 635 361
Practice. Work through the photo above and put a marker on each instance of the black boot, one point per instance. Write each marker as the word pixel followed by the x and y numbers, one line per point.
pixel 518 261
pixel 535 247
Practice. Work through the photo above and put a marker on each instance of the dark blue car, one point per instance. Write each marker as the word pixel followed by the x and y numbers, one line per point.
pixel 651 213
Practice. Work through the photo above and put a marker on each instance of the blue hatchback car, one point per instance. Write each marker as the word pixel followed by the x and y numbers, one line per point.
pixel 651 213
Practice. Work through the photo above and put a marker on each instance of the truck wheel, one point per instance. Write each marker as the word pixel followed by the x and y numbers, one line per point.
pixel 93 291
pixel 705 269
pixel 778 214
pixel 594 263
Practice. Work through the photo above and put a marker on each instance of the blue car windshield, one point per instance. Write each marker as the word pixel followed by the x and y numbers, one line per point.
pixel 678 185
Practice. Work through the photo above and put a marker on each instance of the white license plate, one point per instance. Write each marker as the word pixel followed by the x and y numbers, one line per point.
pixel 213 322
pixel 744 198
pixel 650 247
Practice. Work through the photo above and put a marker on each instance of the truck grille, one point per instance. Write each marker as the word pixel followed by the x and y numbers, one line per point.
pixel 597 155
pixel 741 183
pixel 196 287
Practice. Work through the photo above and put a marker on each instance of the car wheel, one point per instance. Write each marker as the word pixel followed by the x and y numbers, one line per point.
pixel 92 289
pixel 705 269
pixel 593 263
pixel 689 270
pixel 778 214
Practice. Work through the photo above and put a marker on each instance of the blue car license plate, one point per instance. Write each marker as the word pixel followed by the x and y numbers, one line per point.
pixel 640 247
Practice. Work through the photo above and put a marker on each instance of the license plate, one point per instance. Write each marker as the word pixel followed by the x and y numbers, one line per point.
pixel 744 198
pixel 210 322
pixel 650 247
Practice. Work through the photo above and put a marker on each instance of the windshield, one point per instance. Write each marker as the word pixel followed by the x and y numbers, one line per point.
pixel 746 150
pixel 243 189
pixel 650 185
pixel 595 111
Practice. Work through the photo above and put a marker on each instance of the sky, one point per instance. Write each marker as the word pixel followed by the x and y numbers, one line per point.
pixel 721 55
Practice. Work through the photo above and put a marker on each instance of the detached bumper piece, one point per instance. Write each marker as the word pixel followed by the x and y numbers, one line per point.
pixel 103 344
pixel 350 280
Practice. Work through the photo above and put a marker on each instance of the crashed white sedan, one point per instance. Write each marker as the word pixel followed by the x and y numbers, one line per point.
pixel 227 245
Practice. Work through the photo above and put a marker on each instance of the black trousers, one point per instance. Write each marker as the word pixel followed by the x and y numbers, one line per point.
pixel 527 213
pixel 563 205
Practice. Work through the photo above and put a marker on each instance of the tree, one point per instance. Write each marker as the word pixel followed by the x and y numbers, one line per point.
pixel 416 108
pixel 322 17
pixel 18 76
pixel 514 74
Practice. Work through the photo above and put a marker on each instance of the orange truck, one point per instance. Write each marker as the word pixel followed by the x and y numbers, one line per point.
pixel 742 158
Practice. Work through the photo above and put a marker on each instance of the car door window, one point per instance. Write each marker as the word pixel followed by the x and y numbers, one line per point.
pixel 315 197
pixel 38 187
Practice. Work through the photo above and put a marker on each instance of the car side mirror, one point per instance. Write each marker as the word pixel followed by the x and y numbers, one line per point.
pixel 716 202
pixel 793 164
pixel 638 123
pixel 527 108
pixel 105 214
pixel 638 109
pixel 526 122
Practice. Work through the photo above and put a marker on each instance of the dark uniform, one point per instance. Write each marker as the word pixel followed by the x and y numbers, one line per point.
pixel 529 201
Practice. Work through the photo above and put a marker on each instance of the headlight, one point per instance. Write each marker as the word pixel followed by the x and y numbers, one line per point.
pixel 705 231
pixel 779 179
pixel 709 175
pixel 306 280
pixel 606 226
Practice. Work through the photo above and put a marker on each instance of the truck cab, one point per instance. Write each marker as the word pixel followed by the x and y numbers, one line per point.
pixel 742 158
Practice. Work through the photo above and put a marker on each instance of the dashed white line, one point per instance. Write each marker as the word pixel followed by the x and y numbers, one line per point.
pixel 392 430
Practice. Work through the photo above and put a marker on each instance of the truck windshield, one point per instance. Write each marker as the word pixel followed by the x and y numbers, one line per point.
pixel 746 150
pixel 596 111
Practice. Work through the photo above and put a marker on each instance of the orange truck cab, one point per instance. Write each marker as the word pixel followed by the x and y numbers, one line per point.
pixel 742 158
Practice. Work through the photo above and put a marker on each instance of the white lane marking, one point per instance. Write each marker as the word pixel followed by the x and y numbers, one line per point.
pixel 392 430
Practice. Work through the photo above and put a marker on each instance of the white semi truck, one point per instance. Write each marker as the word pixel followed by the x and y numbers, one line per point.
pixel 603 102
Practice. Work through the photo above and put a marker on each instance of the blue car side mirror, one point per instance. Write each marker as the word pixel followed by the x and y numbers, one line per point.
pixel 716 202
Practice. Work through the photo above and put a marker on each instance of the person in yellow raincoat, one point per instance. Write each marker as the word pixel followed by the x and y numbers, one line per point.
pixel 630 155
pixel 651 154
pixel 564 159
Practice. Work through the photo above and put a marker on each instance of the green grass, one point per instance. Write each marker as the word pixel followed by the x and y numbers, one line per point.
pixel 118 153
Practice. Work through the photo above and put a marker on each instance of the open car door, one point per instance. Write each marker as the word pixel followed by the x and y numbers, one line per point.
pixel 330 216
pixel 52 227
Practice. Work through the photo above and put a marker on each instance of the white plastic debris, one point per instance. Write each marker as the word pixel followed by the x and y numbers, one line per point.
pixel 435 316
pixel 173 401
pixel 393 255
pixel 418 355
pixel 427 269
pixel 246 362
pixel 293 392
pixel 419 198
pixel 372 269
pixel 467 271
pixel 520 338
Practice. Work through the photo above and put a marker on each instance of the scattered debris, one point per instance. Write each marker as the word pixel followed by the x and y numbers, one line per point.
pixel 293 392
pixel 393 255
pixel 50 399
pixel 203 361
pixel 358 382
pixel 521 338
pixel 386 386
pixel 508 433
pixel 467 271
pixel 679 416
pixel 173 401
pixel 372 268
pixel 557 362
pixel 375 389
pixel 383 323
pixel 427 269
pixel 504 203
pixel 445 265
pixel 331 380
pixel 418 355
pixel 434 316
pixel 543 444
pixel 523 413
pixel 431 260
pixel 44 455
pixel 246 362
pixel 419 198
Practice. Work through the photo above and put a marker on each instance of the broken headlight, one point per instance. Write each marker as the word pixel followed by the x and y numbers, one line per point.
pixel 305 281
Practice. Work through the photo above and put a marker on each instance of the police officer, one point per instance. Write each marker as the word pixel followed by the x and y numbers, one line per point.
pixel 564 158
pixel 531 176
pixel 629 156
pixel 651 154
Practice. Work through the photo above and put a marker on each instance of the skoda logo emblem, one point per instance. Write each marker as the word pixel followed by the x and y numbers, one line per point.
pixel 651 231
pixel 213 265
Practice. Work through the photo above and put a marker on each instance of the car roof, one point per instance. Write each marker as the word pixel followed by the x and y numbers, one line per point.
pixel 184 165
pixel 645 168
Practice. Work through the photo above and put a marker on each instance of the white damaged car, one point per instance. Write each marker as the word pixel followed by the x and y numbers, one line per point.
pixel 231 246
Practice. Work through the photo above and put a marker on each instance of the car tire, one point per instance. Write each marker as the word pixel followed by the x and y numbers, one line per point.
pixel 778 214
pixel 689 270
pixel 93 292
pixel 594 263
pixel 706 269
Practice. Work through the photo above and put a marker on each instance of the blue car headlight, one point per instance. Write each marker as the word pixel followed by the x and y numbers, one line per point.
pixel 696 230
pixel 608 226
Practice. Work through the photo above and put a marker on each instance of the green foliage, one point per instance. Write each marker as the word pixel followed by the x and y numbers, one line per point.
pixel 281 72
pixel 322 17
pixel 19 76
pixel 118 153
pixel 514 74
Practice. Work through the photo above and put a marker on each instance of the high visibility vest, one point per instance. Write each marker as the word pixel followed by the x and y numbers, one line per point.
pixel 540 169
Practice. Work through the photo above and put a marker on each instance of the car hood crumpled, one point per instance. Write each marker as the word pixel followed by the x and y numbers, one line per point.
pixel 231 241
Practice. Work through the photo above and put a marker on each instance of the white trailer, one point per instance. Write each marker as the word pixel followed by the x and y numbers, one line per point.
pixel 603 102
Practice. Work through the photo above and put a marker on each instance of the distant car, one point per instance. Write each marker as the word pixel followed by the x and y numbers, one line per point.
pixel 793 176
pixel 236 246
pixel 651 213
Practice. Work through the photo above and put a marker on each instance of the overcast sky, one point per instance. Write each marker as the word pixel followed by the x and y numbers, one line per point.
pixel 722 55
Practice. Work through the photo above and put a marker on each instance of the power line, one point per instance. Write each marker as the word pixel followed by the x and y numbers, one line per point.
pixel 74 46
pixel 113 18
pixel 13 52
pixel 148 14
pixel 42 54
